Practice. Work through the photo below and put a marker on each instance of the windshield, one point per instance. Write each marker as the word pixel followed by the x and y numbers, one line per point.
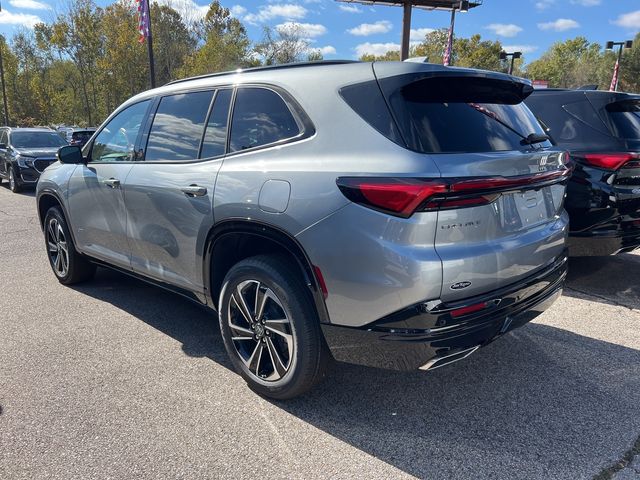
pixel 36 140
pixel 625 119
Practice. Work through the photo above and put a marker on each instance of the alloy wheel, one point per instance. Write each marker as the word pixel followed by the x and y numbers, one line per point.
pixel 12 180
pixel 58 249
pixel 261 331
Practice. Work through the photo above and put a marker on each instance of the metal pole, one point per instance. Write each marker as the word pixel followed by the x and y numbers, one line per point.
pixel 513 57
pixel 452 27
pixel 406 30
pixel 152 70
pixel 4 90
pixel 619 59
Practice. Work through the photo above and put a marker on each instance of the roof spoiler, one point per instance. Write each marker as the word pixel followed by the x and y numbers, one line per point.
pixel 435 83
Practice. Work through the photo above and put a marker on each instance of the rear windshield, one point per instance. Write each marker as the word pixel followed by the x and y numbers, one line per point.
pixel 83 136
pixel 458 115
pixel 625 119
pixel 36 139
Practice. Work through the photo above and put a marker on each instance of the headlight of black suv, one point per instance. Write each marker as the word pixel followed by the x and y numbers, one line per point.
pixel 24 161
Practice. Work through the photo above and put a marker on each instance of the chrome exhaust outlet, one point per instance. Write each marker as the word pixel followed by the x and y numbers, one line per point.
pixel 448 358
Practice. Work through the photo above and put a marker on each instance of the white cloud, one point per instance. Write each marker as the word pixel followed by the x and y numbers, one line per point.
pixel 520 48
pixel 29 4
pixel 418 34
pixel 376 48
pixel 238 10
pixel 289 11
pixel 24 19
pixel 559 25
pixel 307 30
pixel 629 20
pixel 350 8
pixel 327 50
pixel 587 3
pixel 365 29
pixel 188 9
pixel 544 4
pixel 504 29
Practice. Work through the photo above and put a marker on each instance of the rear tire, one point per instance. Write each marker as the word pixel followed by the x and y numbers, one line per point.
pixel 67 264
pixel 271 329
pixel 14 183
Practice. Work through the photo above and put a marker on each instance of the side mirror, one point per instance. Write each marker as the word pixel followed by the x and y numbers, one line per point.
pixel 70 154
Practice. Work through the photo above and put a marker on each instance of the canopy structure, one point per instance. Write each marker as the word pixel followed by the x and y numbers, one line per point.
pixel 448 5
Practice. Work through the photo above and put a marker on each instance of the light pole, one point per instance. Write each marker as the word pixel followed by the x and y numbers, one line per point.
pixel 4 90
pixel 513 55
pixel 616 69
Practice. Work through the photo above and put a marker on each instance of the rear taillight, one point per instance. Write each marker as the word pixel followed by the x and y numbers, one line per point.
pixel 400 196
pixel 404 196
pixel 609 161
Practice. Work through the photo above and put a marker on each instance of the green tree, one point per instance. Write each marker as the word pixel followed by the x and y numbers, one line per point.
pixel 224 43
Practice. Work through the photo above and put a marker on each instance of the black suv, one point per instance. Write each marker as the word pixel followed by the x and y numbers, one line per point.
pixel 601 130
pixel 25 153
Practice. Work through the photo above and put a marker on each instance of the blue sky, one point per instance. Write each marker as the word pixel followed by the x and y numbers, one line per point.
pixel 341 30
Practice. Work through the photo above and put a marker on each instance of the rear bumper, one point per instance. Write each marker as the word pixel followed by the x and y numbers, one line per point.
pixel 427 335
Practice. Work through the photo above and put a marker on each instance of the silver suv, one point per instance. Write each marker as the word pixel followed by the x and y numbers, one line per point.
pixel 399 215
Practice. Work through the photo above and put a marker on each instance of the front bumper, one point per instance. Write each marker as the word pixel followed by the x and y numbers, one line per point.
pixel 428 335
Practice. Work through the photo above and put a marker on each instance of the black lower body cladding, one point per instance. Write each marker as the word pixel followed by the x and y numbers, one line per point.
pixel 428 335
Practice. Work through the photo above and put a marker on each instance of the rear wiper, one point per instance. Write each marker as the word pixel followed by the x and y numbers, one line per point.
pixel 526 140
pixel 534 138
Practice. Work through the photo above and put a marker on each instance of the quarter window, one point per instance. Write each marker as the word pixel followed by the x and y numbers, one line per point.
pixel 260 117
pixel 178 126
pixel 215 137
pixel 116 141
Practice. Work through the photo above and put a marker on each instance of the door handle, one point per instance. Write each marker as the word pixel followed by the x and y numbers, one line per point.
pixel 194 191
pixel 112 182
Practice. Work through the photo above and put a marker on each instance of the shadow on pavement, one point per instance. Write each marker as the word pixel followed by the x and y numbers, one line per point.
pixel 194 326
pixel 613 280
pixel 541 402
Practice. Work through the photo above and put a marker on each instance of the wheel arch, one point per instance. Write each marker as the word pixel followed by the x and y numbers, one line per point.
pixel 231 241
pixel 47 199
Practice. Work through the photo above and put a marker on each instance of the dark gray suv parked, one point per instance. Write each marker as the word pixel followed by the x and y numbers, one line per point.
pixel 25 153
pixel 391 214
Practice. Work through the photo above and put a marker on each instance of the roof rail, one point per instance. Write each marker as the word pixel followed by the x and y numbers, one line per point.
pixel 266 68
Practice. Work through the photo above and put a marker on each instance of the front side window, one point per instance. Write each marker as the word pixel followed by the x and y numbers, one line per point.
pixel 178 126
pixel 116 141
pixel 260 117
pixel 3 137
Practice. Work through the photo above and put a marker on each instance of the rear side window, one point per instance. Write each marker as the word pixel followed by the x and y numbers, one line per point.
pixel 460 114
pixel 625 119
pixel 215 136
pixel 260 117
pixel 178 126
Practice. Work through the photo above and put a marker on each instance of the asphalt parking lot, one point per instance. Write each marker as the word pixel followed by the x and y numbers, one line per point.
pixel 117 379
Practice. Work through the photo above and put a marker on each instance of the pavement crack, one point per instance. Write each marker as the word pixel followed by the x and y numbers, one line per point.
pixel 623 462
pixel 600 297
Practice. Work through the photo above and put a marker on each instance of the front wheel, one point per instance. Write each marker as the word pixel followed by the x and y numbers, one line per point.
pixel 270 328
pixel 67 264
pixel 14 184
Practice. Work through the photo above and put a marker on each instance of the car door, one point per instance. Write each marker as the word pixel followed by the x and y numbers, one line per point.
pixel 169 195
pixel 4 141
pixel 96 197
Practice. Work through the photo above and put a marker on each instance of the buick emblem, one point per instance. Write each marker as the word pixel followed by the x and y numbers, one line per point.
pixel 460 285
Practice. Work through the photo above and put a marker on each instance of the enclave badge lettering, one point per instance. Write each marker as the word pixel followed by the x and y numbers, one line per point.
pixel 460 285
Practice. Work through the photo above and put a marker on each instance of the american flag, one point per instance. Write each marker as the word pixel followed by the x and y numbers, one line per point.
pixel 446 57
pixel 143 19
pixel 614 80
